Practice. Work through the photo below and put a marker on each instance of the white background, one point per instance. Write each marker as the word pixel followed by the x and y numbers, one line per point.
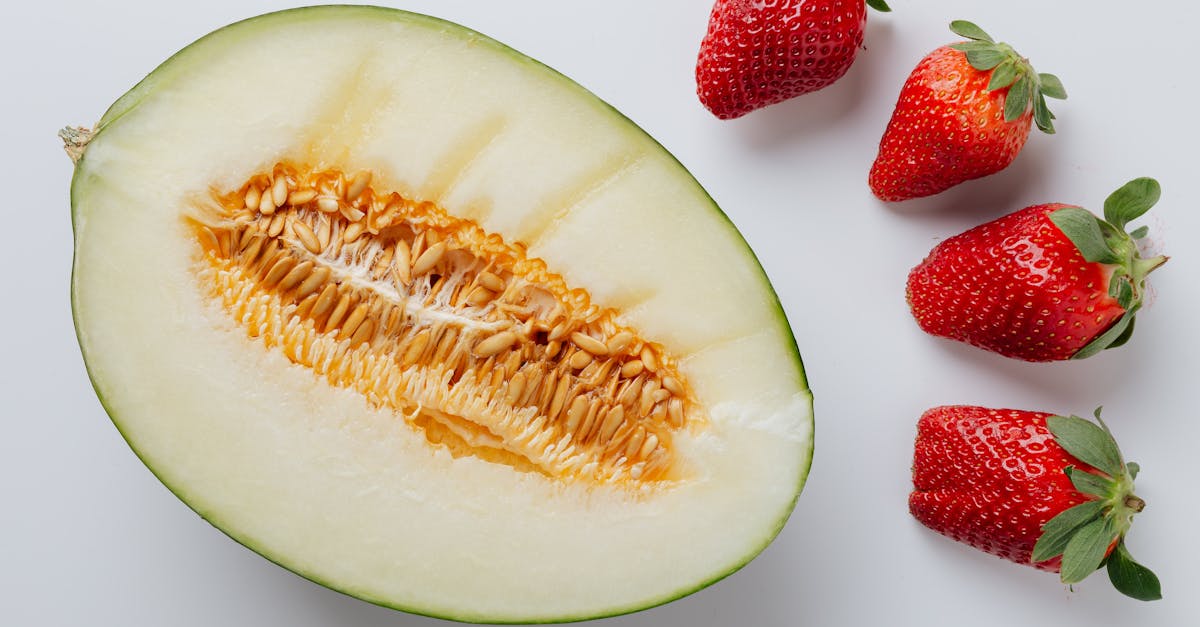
pixel 89 537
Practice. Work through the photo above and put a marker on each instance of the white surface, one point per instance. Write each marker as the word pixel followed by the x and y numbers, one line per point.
pixel 90 537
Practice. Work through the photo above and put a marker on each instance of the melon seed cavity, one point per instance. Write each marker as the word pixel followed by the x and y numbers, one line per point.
pixel 456 331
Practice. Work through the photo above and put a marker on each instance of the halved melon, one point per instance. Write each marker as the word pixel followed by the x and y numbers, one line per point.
pixel 424 321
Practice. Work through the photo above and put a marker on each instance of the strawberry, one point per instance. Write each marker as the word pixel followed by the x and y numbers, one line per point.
pixel 758 53
pixel 1051 492
pixel 1048 282
pixel 964 112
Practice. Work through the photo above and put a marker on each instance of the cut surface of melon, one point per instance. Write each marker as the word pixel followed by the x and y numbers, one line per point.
pixel 432 325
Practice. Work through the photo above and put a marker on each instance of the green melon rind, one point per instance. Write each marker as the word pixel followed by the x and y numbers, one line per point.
pixel 178 63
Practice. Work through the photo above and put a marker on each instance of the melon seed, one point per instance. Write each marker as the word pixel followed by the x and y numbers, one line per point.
pixel 425 315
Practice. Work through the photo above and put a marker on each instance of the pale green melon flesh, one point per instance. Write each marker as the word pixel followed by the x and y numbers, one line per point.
pixel 318 480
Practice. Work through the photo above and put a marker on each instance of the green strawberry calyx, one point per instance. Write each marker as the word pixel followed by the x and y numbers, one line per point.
pixel 1084 534
pixel 879 5
pixel 1026 87
pixel 1105 241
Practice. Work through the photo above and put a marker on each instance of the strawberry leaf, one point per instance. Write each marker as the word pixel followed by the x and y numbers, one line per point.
pixel 1003 75
pixel 1088 442
pixel 1114 283
pixel 966 29
pixel 879 5
pixel 984 59
pixel 1124 295
pixel 1131 578
pixel 1085 550
pixel 1140 232
pixel 1120 287
pixel 1058 530
pixel 1041 114
pixel 967 46
pixel 1089 483
pixel 1016 101
pixel 1115 336
pixel 1083 229
pixel 1052 87
pixel 1131 201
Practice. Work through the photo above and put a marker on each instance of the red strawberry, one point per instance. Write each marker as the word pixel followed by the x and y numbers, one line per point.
pixel 1048 282
pixel 1047 491
pixel 760 52
pixel 963 113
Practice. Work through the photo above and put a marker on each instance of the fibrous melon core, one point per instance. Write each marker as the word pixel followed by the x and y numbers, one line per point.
pixel 455 330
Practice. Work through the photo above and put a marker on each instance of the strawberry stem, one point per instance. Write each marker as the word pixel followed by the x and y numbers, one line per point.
pixel 1142 267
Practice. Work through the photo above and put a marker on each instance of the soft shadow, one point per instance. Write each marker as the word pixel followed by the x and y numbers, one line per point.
pixel 874 63
pixel 330 607
pixel 820 112
pixel 757 589
pixel 764 589
pixel 1079 386
pixel 1000 578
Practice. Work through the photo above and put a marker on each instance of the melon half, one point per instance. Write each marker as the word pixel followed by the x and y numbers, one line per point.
pixel 430 324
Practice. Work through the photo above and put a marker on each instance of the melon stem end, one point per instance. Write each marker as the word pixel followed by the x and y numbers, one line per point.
pixel 75 140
